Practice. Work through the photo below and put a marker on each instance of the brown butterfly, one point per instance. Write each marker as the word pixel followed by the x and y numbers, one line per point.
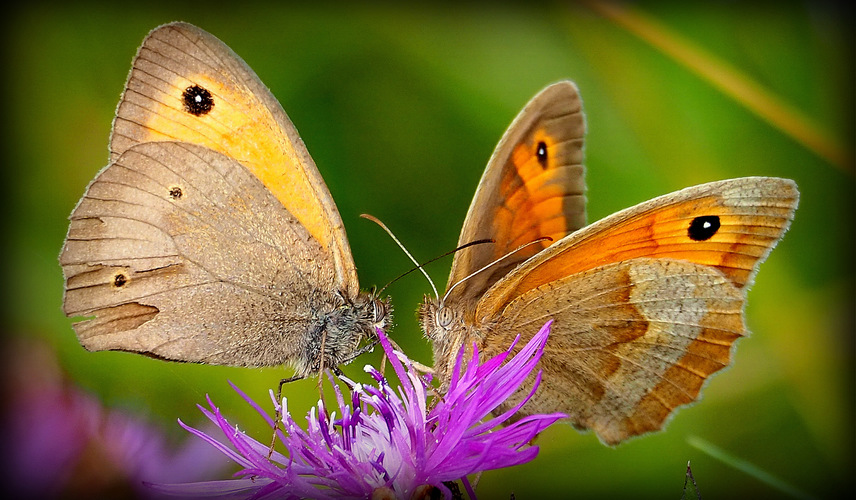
pixel 210 236
pixel 646 303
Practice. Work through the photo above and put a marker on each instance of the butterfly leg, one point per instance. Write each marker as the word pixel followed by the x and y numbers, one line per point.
pixel 278 413
pixel 321 361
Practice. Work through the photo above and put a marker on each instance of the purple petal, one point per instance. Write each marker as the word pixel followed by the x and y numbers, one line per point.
pixel 389 436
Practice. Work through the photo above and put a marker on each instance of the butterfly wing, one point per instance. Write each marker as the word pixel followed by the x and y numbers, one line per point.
pixel 186 85
pixel 647 303
pixel 630 341
pixel 211 236
pixel 160 268
pixel 730 225
pixel 533 187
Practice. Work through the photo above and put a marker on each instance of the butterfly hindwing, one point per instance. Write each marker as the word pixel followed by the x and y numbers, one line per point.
pixel 149 242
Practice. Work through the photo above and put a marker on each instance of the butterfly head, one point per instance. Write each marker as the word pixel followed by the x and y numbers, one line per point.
pixel 380 312
pixel 437 319
pixel 448 330
pixel 372 312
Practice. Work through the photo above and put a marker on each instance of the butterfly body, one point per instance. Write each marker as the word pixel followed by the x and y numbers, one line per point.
pixel 210 236
pixel 646 303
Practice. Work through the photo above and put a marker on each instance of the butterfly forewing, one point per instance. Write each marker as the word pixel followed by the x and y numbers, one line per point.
pixel 646 303
pixel 533 187
pixel 751 214
pixel 186 85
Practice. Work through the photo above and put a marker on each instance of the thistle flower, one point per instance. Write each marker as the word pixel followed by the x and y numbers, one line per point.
pixel 386 443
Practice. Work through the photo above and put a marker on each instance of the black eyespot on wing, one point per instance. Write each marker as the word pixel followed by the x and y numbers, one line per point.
pixel 175 192
pixel 197 100
pixel 703 228
pixel 541 153
pixel 119 280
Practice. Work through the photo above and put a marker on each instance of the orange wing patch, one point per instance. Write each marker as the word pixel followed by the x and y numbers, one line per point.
pixel 536 194
pixel 533 187
pixel 178 91
pixel 741 239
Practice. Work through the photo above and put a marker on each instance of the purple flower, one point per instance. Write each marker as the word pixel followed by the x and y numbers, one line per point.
pixel 386 443
pixel 61 442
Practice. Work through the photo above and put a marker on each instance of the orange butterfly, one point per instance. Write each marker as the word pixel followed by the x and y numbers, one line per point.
pixel 646 303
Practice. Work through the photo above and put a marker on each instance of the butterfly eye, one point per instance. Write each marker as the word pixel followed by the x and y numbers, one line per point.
pixel 444 317
pixel 378 311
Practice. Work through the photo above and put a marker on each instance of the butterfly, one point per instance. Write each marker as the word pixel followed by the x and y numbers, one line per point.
pixel 210 236
pixel 646 303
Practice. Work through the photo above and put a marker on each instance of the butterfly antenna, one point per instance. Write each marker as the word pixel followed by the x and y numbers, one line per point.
pixel 383 226
pixel 450 252
pixel 418 265
pixel 497 261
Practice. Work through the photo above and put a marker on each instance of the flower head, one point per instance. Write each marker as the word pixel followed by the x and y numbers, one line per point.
pixel 388 441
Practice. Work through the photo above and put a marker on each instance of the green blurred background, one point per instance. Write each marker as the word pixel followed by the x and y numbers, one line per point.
pixel 401 108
